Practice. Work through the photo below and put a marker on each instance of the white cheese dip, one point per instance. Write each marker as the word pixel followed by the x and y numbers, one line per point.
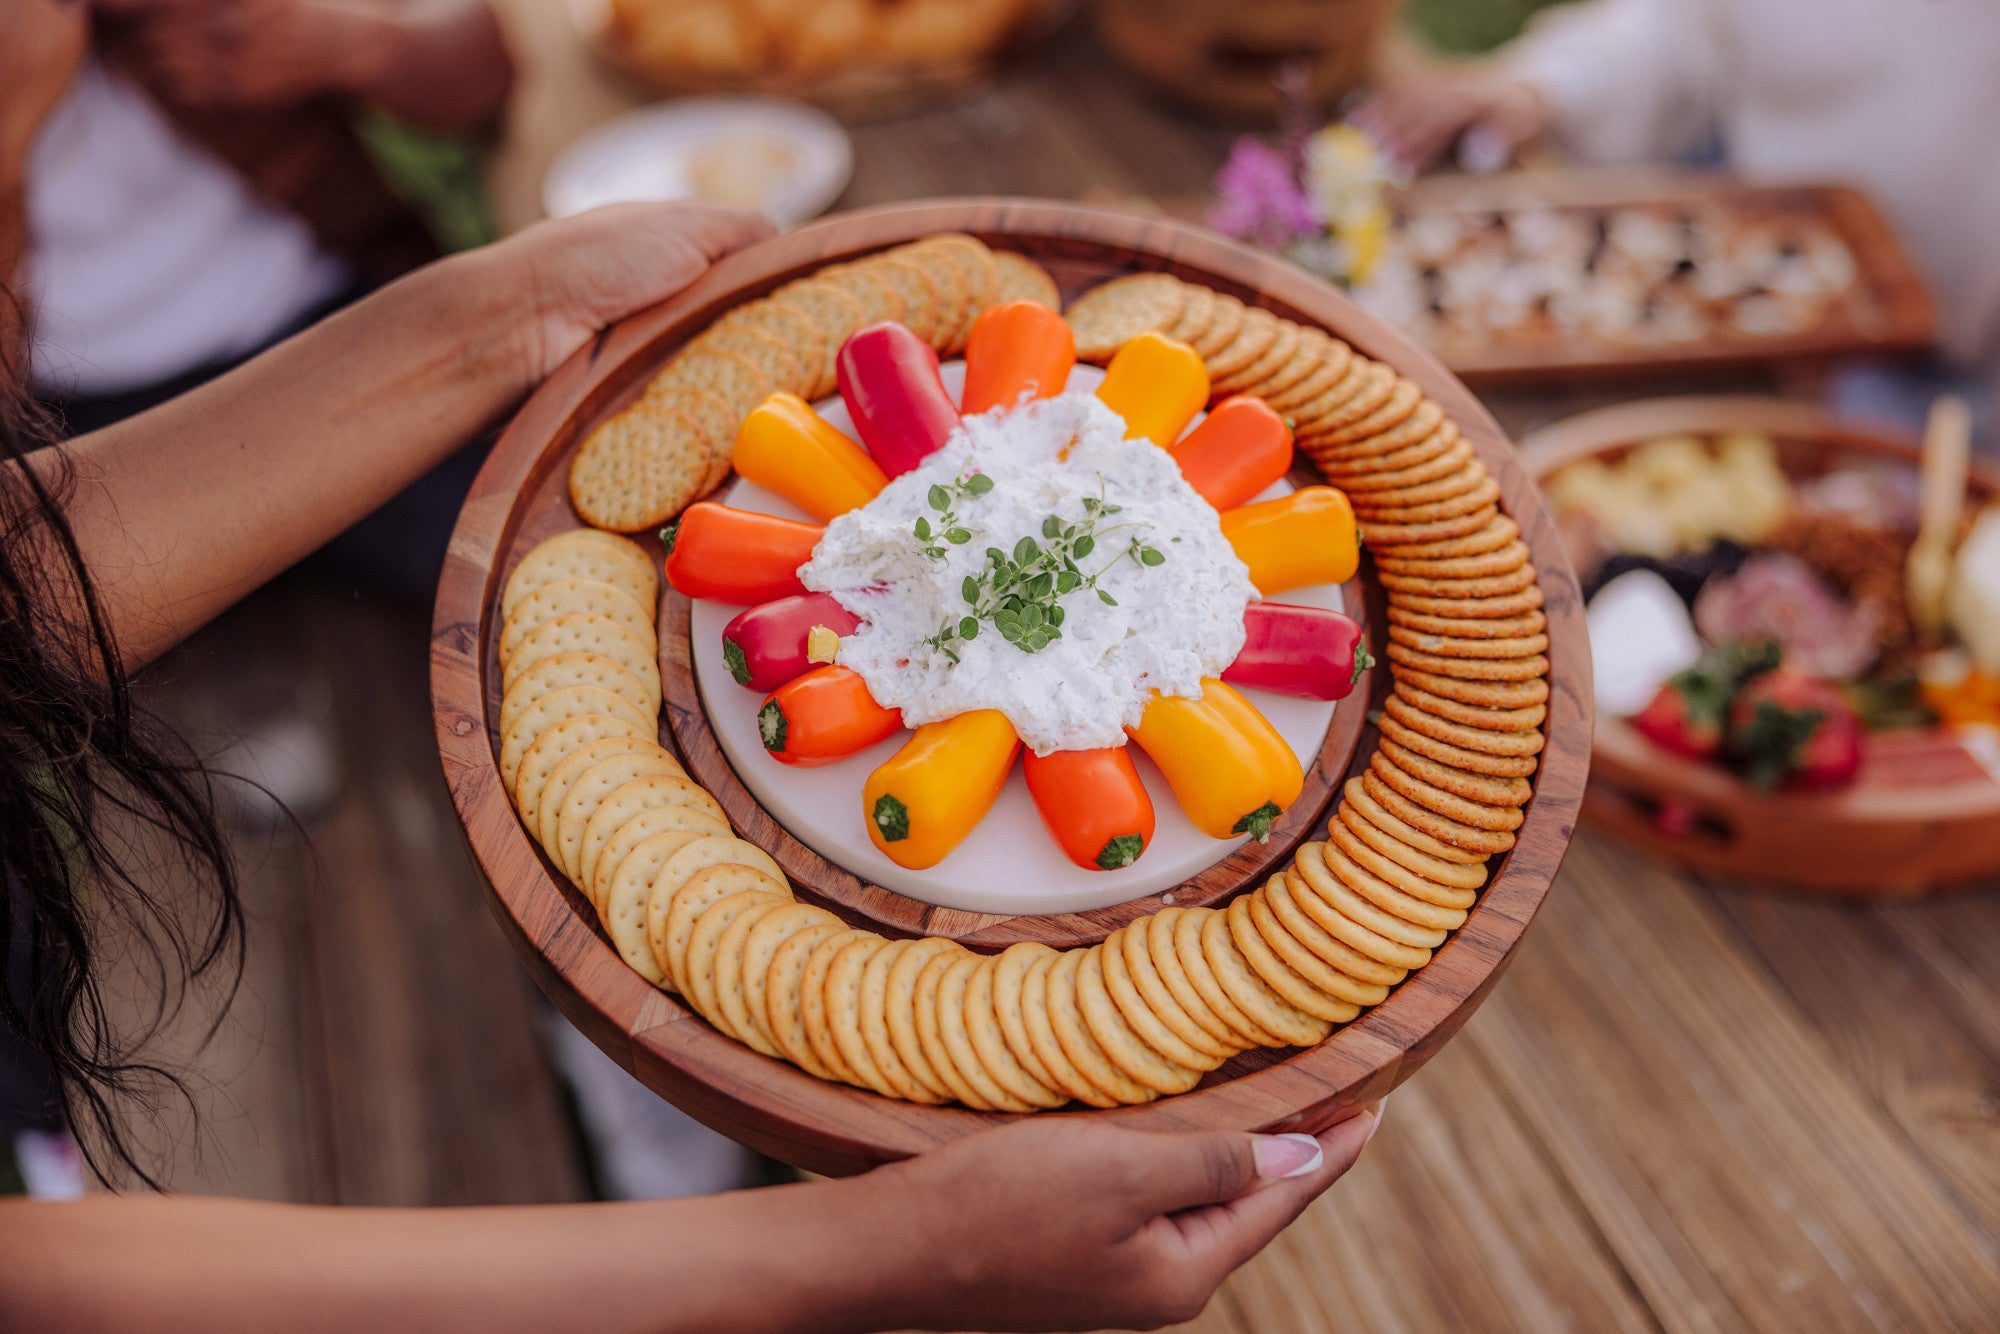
pixel 1173 623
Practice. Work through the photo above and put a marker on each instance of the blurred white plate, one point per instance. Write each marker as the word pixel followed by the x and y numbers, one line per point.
pixel 786 160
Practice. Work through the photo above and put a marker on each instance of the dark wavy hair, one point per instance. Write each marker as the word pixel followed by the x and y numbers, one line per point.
pixel 97 796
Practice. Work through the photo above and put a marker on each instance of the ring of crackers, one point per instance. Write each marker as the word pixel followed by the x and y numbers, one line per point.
pixel 1148 1011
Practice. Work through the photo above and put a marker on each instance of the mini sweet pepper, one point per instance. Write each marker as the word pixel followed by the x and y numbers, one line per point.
pixel 1156 384
pixel 1307 537
pixel 786 447
pixel 934 791
pixel 732 555
pixel 889 381
pixel 1230 769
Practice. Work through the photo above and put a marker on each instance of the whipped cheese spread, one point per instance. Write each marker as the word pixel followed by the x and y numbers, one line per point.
pixel 1143 593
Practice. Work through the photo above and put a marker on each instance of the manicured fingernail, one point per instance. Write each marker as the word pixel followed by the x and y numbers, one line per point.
pixel 1381 1109
pixel 1281 1156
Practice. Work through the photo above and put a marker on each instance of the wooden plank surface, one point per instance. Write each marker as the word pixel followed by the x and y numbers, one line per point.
pixel 1685 1107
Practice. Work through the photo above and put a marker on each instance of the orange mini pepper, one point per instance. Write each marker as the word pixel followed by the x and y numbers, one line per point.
pixel 823 716
pixel 1230 769
pixel 935 790
pixel 1016 348
pixel 1093 804
pixel 785 446
pixel 1156 384
pixel 1240 448
pixel 732 555
pixel 1305 538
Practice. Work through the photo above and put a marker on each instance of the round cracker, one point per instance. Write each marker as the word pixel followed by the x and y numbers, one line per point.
pixel 1361 897
pixel 581 632
pixel 1336 360
pixel 675 899
pixel 873 1019
pixel 899 1006
pixel 622 907
pixel 784 1020
pixel 925 1005
pixel 1443 454
pixel 1274 358
pixel 989 1044
pixel 1368 386
pixel 1472 761
pixel 1074 1036
pixel 1313 923
pixel 1473 838
pixel 1151 1028
pixel 1112 314
pixel 561 823
pixel 1021 279
pixel 1313 349
pixel 1162 950
pixel 760 948
pixel 1198 310
pixel 1377 420
pixel 678 818
pixel 1468 627
pixel 710 930
pixel 1285 982
pixel 1188 954
pixel 840 1011
pixel 1293 1026
pixel 568 597
pixel 1449 884
pixel 1225 322
pixel 812 1003
pixel 955 1036
pixel 1421 901
pixel 1064 1077
pixel 621 804
pixel 1319 894
pixel 1140 972
pixel 1496 532
pixel 1358 799
pixel 1463 668
pixel 1010 971
pixel 1484 694
pixel 1310 967
pixel 1505 607
pixel 574 669
pixel 582 553
pixel 1372 442
pixel 1453 646
pixel 925 305
pixel 548 754
pixel 1471 491
pixel 640 469
pixel 1402 531
pixel 1486 564
pixel 545 711
pixel 732 966
pixel 1260 330
pixel 1117 1039
pixel 1457 586
pixel 1492 731
pixel 780 365
pixel 1414 777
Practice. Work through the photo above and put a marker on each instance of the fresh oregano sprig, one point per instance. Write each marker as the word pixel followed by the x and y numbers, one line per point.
pixel 932 537
pixel 1020 591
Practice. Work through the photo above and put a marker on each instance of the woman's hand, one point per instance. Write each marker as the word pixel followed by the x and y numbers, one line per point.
pixel 1419 108
pixel 1064 1223
pixel 574 277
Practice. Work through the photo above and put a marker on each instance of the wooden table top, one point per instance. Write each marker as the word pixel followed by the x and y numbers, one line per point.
pixel 1687 1106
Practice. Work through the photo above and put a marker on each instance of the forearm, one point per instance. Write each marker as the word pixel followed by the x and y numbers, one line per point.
pixel 184 509
pixel 788 1258
pixel 440 64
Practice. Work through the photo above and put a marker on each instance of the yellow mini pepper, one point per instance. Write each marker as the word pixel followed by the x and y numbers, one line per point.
pixel 1230 769
pixel 785 446
pixel 933 792
pixel 1156 384
pixel 1307 537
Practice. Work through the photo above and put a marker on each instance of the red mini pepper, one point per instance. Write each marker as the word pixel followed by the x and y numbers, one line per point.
pixel 1018 347
pixel 1240 448
pixel 889 381
pixel 1309 652
pixel 823 716
pixel 1093 803
pixel 766 646
pixel 732 555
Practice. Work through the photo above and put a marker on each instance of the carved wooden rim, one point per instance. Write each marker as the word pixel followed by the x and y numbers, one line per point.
pixel 829 1127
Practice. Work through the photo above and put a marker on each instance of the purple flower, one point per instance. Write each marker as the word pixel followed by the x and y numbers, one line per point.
pixel 1259 197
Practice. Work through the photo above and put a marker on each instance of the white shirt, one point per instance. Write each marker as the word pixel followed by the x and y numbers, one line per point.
pixel 1898 97
pixel 147 255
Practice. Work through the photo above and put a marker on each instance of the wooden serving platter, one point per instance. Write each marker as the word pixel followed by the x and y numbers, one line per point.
pixel 519 498
pixel 1887 311
pixel 1925 812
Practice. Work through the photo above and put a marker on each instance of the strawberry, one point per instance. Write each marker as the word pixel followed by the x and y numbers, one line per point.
pixel 1790 728
pixel 1687 715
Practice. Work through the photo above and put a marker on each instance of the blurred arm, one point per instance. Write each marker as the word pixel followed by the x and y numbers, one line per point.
pixel 182 510
pixel 1624 80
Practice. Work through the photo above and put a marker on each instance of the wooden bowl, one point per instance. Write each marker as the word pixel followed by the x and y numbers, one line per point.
pixel 1925 813
pixel 518 499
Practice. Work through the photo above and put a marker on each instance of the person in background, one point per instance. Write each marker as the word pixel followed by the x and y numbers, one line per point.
pixel 181 183
pixel 1894 97
pixel 116 545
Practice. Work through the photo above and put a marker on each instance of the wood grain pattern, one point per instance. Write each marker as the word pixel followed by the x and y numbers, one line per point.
pixel 1923 816
pixel 779 1110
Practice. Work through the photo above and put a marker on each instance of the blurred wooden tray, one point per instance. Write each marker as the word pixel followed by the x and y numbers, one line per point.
pixel 1925 813
pixel 1888 312
pixel 519 498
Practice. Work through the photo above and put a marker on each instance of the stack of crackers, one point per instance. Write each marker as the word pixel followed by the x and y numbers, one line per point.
pixel 1162 1001
pixel 645 465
